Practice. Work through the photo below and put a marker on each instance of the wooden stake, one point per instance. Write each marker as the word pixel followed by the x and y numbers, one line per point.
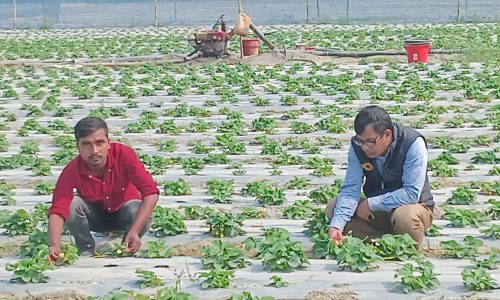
pixel 15 14
pixel 317 8
pixel 458 11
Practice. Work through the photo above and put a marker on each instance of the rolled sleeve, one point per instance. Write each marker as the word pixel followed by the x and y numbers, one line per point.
pixel 139 176
pixel 349 195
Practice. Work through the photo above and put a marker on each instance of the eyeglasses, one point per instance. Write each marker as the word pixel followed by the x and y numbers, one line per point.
pixel 369 143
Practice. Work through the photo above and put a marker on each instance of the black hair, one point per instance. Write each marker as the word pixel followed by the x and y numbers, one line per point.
pixel 375 115
pixel 89 125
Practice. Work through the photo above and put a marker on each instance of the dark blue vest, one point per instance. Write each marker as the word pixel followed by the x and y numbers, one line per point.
pixel 391 179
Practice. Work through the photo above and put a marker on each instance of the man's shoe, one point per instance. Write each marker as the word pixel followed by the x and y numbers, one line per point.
pixel 87 251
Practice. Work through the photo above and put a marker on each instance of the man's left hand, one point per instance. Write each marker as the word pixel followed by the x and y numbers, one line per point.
pixel 363 211
pixel 132 242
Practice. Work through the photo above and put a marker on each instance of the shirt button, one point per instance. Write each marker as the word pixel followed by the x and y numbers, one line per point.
pixel 109 170
pixel 90 176
pixel 123 189
pixel 107 198
pixel 103 182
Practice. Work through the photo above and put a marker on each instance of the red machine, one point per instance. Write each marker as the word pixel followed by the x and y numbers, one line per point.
pixel 212 43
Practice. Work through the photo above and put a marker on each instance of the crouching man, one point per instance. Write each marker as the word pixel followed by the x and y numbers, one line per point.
pixel 389 161
pixel 105 188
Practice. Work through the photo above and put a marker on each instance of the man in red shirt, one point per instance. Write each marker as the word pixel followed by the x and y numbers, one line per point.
pixel 104 188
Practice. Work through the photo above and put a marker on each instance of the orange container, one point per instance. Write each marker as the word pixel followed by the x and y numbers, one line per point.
pixel 250 47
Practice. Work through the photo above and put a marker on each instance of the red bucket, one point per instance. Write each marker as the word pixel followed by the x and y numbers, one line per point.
pixel 418 52
pixel 250 47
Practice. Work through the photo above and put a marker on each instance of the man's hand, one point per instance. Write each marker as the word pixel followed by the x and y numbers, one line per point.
pixel 132 242
pixel 336 235
pixel 363 211
pixel 54 253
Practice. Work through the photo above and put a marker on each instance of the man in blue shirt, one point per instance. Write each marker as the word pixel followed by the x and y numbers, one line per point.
pixel 389 161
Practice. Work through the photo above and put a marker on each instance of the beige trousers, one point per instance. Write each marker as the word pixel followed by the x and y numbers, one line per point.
pixel 413 219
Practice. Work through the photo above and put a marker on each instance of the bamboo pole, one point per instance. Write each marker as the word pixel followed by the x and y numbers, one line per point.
pixel 347 10
pixel 175 12
pixel 15 13
pixel 241 40
pixel 307 11
pixel 156 13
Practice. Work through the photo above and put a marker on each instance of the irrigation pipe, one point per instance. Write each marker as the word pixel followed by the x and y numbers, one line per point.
pixel 328 52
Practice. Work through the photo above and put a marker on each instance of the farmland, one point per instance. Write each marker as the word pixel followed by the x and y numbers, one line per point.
pixel 249 154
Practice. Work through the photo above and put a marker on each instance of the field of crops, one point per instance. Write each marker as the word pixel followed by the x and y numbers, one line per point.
pixel 246 157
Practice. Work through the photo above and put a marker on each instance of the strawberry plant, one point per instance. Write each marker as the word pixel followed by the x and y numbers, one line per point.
pixel 486 157
pixel 461 217
pixel 396 247
pixel 19 223
pixel 462 196
pixel 278 282
pixel 196 212
pixel 157 249
pixel 493 231
pixel 323 246
pixel 271 148
pixel 166 146
pixel 192 165
pixel 270 196
pixel 148 279
pixel 448 158
pixel 318 223
pixel 434 230
pixel 297 183
pixel 40 167
pixel 289 100
pixel 216 278
pixel 225 224
pixel 268 125
pixel 118 250
pixel 250 212
pixel 30 147
pixel 279 253
pixel 333 124
pixel 253 188
pixel 299 210
pixel 171 293
pixel 29 270
pixel 302 127
pixel 166 222
pixel 454 249
pixel 490 263
pixel 220 190
pixel 419 277
pixel 493 210
pixel 222 255
pixel 353 254
pixel 325 193
pixel 478 279
pixel 176 188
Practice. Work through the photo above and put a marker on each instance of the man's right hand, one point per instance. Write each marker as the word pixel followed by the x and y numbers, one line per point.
pixel 336 235
pixel 55 251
